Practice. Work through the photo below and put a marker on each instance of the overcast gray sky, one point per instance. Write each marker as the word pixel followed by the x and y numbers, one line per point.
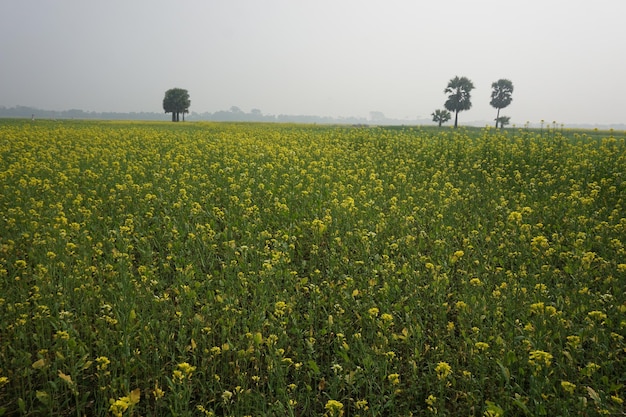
pixel 566 58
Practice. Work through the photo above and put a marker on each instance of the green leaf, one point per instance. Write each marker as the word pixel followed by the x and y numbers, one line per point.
pixel 313 366
pixel 593 395
pixel 43 396
pixel 518 402
pixel 21 405
pixel 505 372
pixel 494 409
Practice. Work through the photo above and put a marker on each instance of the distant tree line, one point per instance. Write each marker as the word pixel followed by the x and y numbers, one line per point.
pixel 254 115
pixel 37 113
pixel 234 114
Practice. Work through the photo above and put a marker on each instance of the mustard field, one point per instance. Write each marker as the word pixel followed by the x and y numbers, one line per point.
pixel 153 269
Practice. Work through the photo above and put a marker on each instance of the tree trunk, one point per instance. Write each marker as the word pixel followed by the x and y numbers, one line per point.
pixel 497 117
pixel 456 119
pixel 173 116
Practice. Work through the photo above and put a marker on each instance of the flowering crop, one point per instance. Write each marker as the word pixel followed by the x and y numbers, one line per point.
pixel 249 269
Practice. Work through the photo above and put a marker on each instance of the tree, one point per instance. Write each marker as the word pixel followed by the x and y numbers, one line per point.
pixel 176 101
pixel 501 96
pixel 441 116
pixel 459 99
pixel 503 120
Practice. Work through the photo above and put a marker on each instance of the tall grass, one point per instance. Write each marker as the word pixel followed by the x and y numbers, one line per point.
pixel 242 269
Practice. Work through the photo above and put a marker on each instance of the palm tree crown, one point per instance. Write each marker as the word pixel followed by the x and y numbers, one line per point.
pixel 501 96
pixel 459 99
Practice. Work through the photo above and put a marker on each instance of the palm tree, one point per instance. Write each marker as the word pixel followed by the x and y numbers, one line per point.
pixel 503 121
pixel 459 89
pixel 176 101
pixel 441 116
pixel 501 96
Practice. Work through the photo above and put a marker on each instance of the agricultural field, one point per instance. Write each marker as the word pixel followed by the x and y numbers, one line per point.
pixel 247 269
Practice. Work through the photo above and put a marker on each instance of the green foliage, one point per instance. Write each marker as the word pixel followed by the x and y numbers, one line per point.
pixel 502 121
pixel 501 97
pixel 459 96
pixel 440 116
pixel 176 101
pixel 501 94
pixel 242 269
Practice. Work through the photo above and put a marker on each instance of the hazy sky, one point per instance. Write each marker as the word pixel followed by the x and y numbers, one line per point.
pixel 566 58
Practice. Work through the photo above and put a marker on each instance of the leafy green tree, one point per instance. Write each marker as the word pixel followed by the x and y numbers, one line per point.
pixel 503 120
pixel 501 93
pixel 459 99
pixel 441 116
pixel 176 101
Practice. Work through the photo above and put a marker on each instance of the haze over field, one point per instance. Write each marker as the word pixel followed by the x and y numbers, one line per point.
pixel 329 58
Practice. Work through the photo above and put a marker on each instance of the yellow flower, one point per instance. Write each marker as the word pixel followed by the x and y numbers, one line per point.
pixel 481 346
pixel 515 217
pixel 590 369
pixel 157 392
pixel 227 396
pixel 597 315
pixel 184 371
pixel 443 370
pixel 186 368
pixel 539 358
pixel 457 255
pixel 537 307
pixel 102 363
pixel 334 407
pixel 573 341
pixel 318 226
pixel 119 406
pixel 461 305
pixel 62 334
pixel 568 387
pixel 394 379
pixel 475 282
pixel 386 317
pixel 361 405
pixel 373 312
pixel 539 242
pixel 279 308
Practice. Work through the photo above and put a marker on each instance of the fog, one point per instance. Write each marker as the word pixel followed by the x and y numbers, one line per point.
pixel 335 58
